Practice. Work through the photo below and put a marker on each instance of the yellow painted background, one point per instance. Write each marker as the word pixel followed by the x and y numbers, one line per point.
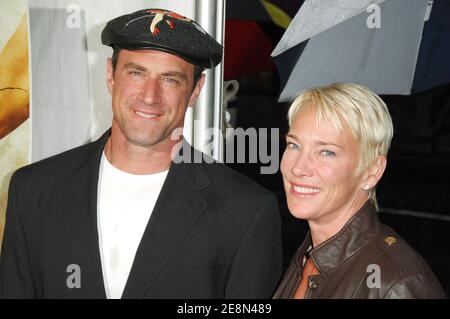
pixel 14 147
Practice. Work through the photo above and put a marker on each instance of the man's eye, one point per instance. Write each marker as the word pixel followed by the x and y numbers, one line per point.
pixel 135 73
pixel 328 153
pixel 171 80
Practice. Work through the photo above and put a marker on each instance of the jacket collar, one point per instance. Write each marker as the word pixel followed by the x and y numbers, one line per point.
pixel 178 207
pixel 76 204
pixel 360 228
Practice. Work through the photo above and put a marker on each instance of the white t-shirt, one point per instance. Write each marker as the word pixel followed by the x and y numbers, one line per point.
pixel 125 203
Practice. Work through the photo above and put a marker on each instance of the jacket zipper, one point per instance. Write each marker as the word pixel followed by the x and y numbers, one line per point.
pixel 312 285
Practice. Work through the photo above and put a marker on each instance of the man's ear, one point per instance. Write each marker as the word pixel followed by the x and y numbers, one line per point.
pixel 374 172
pixel 109 75
pixel 198 88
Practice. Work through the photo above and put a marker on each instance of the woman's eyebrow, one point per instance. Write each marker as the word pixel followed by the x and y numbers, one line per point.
pixel 291 136
pixel 324 143
pixel 318 142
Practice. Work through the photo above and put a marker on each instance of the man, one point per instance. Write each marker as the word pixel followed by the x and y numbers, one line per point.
pixel 119 218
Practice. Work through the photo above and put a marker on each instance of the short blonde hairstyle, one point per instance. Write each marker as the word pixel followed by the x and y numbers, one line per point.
pixel 364 111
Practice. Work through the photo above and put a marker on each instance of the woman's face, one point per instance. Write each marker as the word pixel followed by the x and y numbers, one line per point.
pixel 318 168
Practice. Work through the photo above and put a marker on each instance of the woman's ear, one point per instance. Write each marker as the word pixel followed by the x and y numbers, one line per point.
pixel 374 172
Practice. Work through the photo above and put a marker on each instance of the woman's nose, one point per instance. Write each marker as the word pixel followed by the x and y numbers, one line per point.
pixel 301 165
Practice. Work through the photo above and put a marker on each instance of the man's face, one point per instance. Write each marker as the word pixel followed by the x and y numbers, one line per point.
pixel 150 93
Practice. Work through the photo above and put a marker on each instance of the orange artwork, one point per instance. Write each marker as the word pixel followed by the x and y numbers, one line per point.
pixel 14 96
pixel 14 88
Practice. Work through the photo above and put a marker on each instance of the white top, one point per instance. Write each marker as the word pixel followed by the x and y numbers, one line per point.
pixel 125 203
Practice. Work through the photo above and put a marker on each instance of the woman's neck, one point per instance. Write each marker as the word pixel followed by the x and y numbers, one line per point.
pixel 330 224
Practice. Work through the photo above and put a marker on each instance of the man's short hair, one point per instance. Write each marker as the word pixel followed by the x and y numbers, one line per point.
pixel 198 70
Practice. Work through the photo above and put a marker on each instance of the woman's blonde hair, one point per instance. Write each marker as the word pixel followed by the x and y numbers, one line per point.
pixel 364 111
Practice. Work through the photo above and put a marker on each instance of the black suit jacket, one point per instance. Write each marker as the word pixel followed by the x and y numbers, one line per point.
pixel 213 233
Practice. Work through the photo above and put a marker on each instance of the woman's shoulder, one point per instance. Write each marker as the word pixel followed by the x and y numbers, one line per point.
pixel 396 250
pixel 403 270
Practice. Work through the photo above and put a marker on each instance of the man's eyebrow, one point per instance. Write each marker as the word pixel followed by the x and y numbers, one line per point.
pixel 132 65
pixel 177 74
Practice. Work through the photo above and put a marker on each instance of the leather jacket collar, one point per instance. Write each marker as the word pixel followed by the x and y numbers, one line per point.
pixel 354 235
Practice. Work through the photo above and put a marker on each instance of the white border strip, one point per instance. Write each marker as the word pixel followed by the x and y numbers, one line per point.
pixel 30 89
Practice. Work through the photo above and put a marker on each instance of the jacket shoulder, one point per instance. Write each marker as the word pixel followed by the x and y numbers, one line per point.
pixel 397 251
pixel 53 164
pixel 404 272
pixel 223 178
pixel 47 172
pixel 233 181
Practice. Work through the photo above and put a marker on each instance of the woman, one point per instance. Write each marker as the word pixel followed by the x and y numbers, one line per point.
pixel 336 154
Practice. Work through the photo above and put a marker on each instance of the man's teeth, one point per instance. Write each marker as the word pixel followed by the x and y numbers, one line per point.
pixel 306 190
pixel 148 116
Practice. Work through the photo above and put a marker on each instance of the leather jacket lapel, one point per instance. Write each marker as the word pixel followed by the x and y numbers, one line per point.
pixel 358 231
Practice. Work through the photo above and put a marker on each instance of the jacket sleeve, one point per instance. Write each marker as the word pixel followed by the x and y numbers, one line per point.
pixel 15 273
pixel 257 265
pixel 416 286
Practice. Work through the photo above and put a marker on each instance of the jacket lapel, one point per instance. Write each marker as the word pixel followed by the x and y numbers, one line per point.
pixel 178 207
pixel 78 211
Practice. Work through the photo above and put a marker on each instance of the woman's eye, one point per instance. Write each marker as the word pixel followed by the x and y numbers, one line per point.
pixel 291 146
pixel 328 153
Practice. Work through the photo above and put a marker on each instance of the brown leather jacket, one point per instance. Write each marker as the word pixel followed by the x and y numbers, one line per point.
pixel 365 259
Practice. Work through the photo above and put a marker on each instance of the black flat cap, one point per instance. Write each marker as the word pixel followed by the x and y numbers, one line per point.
pixel 163 30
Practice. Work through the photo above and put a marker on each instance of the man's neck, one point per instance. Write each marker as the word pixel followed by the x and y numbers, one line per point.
pixel 138 160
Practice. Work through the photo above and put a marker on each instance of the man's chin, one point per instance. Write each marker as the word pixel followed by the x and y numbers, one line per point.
pixel 148 141
pixel 144 142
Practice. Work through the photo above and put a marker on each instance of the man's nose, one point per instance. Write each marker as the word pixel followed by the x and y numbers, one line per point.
pixel 151 91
